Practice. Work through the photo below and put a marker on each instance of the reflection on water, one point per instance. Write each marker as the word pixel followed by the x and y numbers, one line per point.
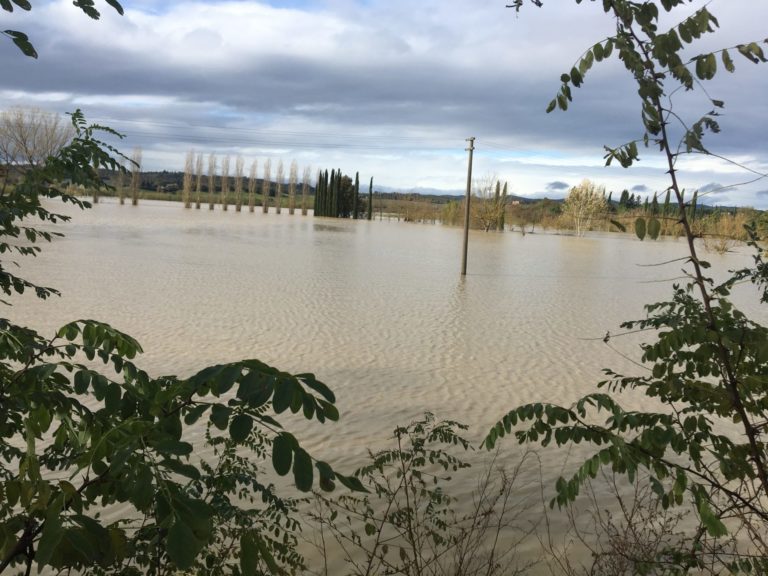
pixel 376 309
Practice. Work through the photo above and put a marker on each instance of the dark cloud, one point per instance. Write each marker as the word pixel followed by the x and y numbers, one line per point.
pixel 557 186
pixel 383 76
pixel 714 188
pixel 762 193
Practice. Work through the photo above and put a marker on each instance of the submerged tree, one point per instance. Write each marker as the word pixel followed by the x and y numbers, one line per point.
pixel 583 204
pixel 225 183
pixel 211 181
pixel 265 186
pixel 293 176
pixel 305 190
pixel 29 136
pixel 252 186
pixel 239 163
pixel 135 176
pixel 189 174
pixel 198 180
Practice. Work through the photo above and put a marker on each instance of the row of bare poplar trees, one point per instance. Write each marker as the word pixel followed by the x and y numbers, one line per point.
pixel 238 190
pixel 119 183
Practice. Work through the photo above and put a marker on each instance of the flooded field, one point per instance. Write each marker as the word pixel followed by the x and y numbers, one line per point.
pixel 377 310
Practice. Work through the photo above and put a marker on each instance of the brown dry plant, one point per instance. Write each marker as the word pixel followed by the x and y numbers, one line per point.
pixel 252 186
pixel 279 187
pixel 136 176
pixel 198 180
pixel 211 180
pixel 305 190
pixel 225 183
pixel 239 163
pixel 186 188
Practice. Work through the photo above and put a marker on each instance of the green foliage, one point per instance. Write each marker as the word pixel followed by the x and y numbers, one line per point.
pixel 699 436
pixel 84 428
pixel 337 195
pixel 22 41
pixel 370 199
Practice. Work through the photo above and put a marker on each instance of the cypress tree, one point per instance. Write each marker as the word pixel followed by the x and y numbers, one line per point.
pixel 324 193
pixel 327 194
pixel 655 204
pixel 646 205
pixel 503 208
pixel 666 203
pixel 335 194
pixel 610 194
pixel 624 199
pixel 355 207
pixel 370 200
pixel 317 193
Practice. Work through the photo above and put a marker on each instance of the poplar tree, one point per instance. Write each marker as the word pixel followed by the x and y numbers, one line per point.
pixel 239 184
pixel 199 180
pixel 265 185
pixel 370 200
pixel 305 190
pixel 225 183
pixel 120 182
pixel 136 176
pixel 186 187
pixel 293 176
pixel 279 187
pixel 211 180
pixel 252 186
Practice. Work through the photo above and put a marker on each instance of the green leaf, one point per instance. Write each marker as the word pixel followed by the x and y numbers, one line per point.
pixel 302 470
pixel 727 61
pixel 640 228
pixel 711 522
pixel 283 396
pixel 22 43
pixel 240 427
pixel 249 555
pixel 220 416
pixel 619 225
pixel 317 386
pixel 116 5
pixel 180 545
pixel 82 380
pixel 49 541
pixel 351 482
pixel 282 454
pixel 654 228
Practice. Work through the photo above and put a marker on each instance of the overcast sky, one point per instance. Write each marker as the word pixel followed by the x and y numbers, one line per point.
pixel 389 88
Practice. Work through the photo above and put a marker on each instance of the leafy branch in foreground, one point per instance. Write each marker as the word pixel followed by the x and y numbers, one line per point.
pixel 700 438
pixel 22 41
pixel 102 468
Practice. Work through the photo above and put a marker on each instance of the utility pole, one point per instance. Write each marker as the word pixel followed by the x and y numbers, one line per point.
pixel 466 206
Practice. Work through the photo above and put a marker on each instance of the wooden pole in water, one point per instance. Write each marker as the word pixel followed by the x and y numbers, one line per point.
pixel 466 206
